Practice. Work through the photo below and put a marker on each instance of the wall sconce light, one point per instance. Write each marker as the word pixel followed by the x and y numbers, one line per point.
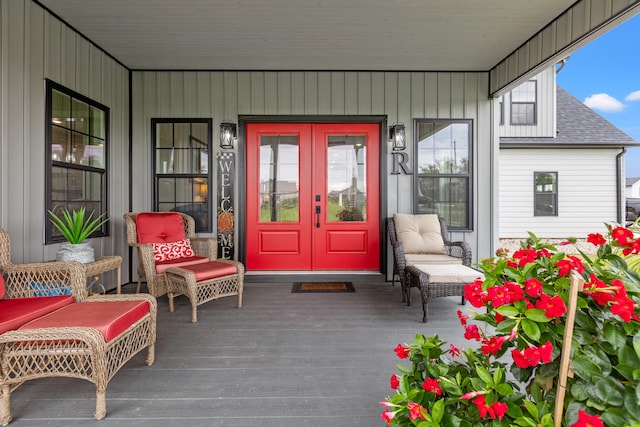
pixel 227 134
pixel 396 136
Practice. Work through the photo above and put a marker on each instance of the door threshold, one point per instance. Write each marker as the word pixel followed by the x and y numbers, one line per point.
pixel 260 276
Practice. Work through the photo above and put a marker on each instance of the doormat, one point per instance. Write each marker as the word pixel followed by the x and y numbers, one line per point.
pixel 299 287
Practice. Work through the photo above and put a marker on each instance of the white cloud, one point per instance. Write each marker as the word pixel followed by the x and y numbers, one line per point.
pixel 604 102
pixel 633 96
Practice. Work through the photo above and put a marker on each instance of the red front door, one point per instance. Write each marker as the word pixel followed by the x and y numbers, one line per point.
pixel 313 197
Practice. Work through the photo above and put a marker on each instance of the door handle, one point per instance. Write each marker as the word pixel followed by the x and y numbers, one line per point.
pixel 317 216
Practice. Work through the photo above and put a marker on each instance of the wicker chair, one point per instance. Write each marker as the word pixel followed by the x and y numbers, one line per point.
pixel 451 253
pixel 77 349
pixel 203 247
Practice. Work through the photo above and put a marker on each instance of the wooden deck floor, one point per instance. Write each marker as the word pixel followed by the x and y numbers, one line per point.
pixel 284 359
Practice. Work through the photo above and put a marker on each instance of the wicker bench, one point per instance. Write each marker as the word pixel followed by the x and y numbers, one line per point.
pixel 435 281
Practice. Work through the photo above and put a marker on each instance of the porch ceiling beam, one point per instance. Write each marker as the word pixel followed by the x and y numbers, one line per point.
pixel 584 21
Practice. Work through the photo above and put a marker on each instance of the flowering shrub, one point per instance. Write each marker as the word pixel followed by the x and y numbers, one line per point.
pixel 509 375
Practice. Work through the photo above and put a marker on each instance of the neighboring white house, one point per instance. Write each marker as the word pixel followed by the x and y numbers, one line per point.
pixel 632 190
pixel 561 164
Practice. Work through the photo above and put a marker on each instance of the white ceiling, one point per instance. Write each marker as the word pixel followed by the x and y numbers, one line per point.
pixel 425 35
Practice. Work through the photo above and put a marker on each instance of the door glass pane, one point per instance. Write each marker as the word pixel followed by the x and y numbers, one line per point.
pixel 346 178
pixel 279 178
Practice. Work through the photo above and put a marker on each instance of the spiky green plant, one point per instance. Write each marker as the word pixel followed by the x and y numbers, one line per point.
pixel 74 226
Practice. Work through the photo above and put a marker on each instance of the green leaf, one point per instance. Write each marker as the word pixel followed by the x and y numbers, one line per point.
pixel 636 343
pixel 599 357
pixel 631 399
pixel 404 369
pixel 585 368
pixel 450 420
pixel 484 374
pixel 437 411
pixel 615 335
pixel 531 329
pixel 525 422
pixel 531 409
pixel 614 417
pixel 536 315
pixel 609 391
pixel 508 310
pixel 504 389
pixel 626 371
pixel 581 390
pixel 628 356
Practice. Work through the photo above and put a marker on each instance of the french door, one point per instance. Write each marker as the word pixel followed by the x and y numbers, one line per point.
pixel 313 196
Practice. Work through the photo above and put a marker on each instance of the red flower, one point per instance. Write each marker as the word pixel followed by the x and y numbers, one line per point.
pixel 432 385
pixel 499 317
pixel 498 409
pixel 516 292
pixel 462 318
pixel 395 382
pixel 596 239
pixel 472 394
pixel 569 263
pixel 519 359
pixel 493 345
pixel 454 351
pixel 415 411
pixel 533 287
pixel 633 248
pixel 498 295
pixel 387 416
pixel 624 307
pixel 621 235
pixel 525 256
pixel 481 404
pixel 471 332
pixel 474 293
pixel 402 352
pixel 543 253
pixel 586 420
pixel 552 306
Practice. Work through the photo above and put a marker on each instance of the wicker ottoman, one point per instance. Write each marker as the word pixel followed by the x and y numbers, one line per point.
pixel 435 280
pixel 205 282
pixel 90 340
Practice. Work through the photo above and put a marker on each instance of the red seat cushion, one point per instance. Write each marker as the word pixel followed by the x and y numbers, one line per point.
pixel 159 227
pixel 15 312
pixel 111 318
pixel 162 266
pixel 211 269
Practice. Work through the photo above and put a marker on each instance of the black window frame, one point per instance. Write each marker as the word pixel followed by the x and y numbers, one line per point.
pixel 157 176
pixel 533 103
pixel 538 194
pixel 51 234
pixel 467 176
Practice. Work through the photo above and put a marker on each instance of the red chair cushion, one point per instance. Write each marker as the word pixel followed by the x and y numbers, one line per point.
pixel 111 318
pixel 172 250
pixel 2 291
pixel 211 269
pixel 162 266
pixel 159 227
pixel 15 312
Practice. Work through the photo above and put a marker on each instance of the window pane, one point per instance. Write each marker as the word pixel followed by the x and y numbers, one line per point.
pixel 60 109
pixel 60 143
pixel 526 92
pixel 78 143
pixel 97 123
pixel 546 193
pixel 181 135
pixel 346 180
pixel 94 154
pixel 523 114
pixel 443 148
pixel 164 135
pixel 447 197
pixel 279 179
pixel 80 116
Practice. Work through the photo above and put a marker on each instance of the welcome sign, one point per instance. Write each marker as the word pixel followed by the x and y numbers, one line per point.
pixel 225 208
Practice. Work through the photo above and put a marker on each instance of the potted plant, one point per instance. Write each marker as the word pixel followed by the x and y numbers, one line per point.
pixel 76 228
pixel 510 374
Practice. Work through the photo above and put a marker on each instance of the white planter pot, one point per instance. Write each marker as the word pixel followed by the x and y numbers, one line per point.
pixel 81 252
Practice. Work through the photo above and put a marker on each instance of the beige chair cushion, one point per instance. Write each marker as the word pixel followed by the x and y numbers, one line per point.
pixel 419 234
pixel 412 259
pixel 449 273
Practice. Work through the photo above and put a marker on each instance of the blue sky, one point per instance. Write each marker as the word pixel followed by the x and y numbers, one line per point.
pixel 605 75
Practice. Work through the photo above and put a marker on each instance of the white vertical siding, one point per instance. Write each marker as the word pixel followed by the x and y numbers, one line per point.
pixel 36 46
pixel 402 97
pixel 586 191
pixel 545 110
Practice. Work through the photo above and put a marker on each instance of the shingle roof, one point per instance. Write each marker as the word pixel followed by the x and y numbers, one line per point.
pixel 631 181
pixel 577 124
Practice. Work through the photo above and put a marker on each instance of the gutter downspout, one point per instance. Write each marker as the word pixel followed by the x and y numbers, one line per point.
pixel 619 188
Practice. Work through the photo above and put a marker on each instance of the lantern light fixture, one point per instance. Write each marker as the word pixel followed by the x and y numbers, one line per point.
pixel 227 134
pixel 396 137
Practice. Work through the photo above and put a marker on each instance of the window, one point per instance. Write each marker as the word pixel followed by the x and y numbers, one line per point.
pixel 545 194
pixel 77 138
pixel 181 150
pixel 523 104
pixel 443 170
pixel 501 108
